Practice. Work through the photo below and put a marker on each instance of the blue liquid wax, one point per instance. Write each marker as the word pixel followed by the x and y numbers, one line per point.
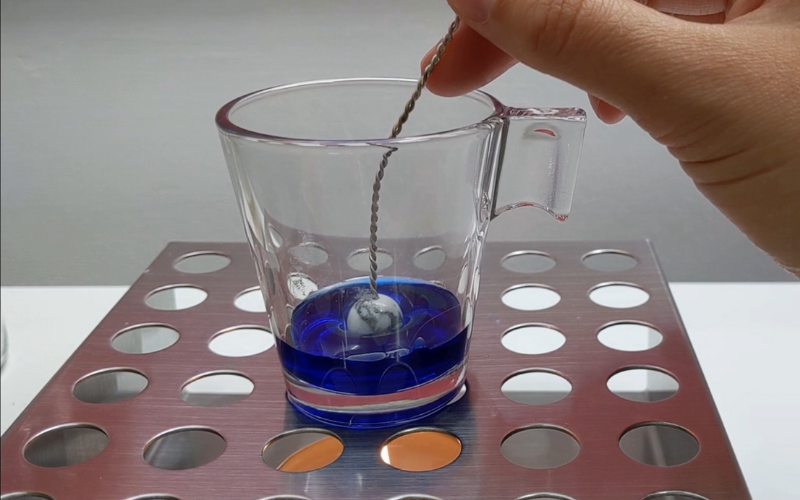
pixel 429 343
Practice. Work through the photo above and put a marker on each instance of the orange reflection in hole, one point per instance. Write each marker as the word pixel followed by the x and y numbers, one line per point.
pixel 302 450
pixel 313 456
pixel 422 450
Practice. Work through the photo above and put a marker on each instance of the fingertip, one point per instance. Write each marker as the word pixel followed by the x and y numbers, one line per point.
pixel 445 89
pixel 426 59
pixel 445 86
pixel 441 85
pixel 605 111
pixel 469 62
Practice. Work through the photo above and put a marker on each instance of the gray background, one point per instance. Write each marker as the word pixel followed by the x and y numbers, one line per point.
pixel 109 150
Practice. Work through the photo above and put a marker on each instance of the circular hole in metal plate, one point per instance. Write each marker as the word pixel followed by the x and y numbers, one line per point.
pixel 430 258
pixel 674 495
pixel 270 275
pixel 421 450
pixel 66 445
pixel 302 450
pixel 301 285
pixel 144 339
pixel 251 300
pixel 530 297
pixel 545 496
pixel 415 497
pixel 659 444
pixel 109 386
pixel 216 389
pixel 535 387
pixel 154 496
pixel 463 279
pixel 609 260
pixel 618 295
pixel 201 262
pixel 528 262
pixel 275 236
pixel 309 254
pixel 271 261
pixel 241 341
pixel 644 385
pixel 359 260
pixel 285 497
pixel 534 338
pixel 175 297
pixel 26 496
pixel 630 336
pixel 540 447
pixel 184 448
pixel 467 313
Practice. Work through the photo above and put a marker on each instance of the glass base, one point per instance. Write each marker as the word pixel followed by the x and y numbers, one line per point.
pixel 374 420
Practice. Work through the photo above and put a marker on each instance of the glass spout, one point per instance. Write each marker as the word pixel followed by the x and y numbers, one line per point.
pixel 537 159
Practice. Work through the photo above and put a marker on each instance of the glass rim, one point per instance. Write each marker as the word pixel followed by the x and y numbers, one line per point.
pixel 227 126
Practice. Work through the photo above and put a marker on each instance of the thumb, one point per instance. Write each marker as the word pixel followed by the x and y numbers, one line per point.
pixel 621 51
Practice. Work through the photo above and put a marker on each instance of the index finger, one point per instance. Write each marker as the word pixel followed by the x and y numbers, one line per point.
pixel 469 62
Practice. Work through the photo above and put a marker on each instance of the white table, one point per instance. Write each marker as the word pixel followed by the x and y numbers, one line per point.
pixel 747 338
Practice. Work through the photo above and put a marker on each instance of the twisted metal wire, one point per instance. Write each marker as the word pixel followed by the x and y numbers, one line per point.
pixel 398 127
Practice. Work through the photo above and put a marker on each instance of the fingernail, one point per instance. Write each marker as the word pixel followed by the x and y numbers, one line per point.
pixel 477 11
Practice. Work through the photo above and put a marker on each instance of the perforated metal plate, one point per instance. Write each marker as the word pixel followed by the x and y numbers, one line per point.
pixel 575 440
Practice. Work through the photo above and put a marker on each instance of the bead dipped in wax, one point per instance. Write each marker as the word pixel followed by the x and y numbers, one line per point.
pixel 372 315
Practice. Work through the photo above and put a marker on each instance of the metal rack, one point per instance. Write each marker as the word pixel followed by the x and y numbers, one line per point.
pixel 654 444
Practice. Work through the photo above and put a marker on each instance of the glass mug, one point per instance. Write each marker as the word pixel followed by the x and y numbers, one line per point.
pixel 3 343
pixel 302 160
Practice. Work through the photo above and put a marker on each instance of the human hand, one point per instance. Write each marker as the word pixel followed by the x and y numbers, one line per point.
pixel 723 95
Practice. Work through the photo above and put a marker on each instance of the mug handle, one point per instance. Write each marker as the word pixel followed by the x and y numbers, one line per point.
pixel 537 159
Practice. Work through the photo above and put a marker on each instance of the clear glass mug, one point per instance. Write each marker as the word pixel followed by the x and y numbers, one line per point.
pixel 303 158
pixel 3 343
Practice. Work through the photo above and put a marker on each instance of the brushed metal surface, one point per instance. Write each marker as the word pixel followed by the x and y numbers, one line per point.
pixel 481 420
